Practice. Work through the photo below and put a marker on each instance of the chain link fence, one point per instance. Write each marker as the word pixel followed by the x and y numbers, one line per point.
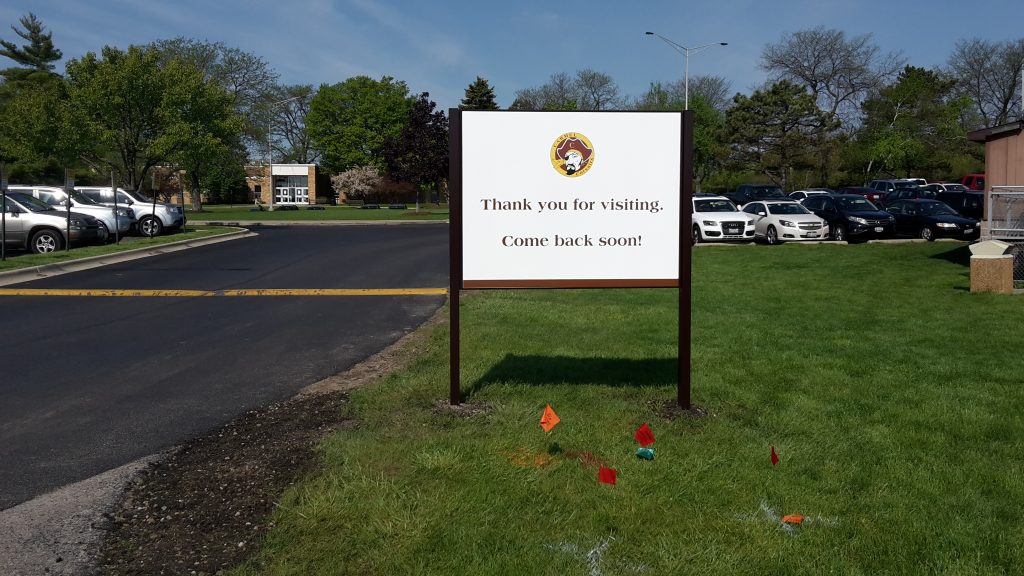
pixel 1005 212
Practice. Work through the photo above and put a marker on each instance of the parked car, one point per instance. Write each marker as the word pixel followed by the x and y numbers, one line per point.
pixel 873 196
pixel 967 202
pixel 892 184
pixel 777 221
pixel 122 220
pixel 974 181
pixel 34 225
pixel 717 218
pixel 938 187
pixel 908 194
pixel 151 222
pixel 852 217
pixel 799 195
pixel 931 219
pixel 750 192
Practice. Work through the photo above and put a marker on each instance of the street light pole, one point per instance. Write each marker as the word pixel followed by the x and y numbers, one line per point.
pixel 686 57
pixel 270 150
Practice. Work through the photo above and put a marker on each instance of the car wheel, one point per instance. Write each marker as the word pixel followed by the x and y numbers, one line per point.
pixel 839 233
pixel 697 238
pixel 927 234
pixel 772 235
pixel 46 241
pixel 150 226
pixel 104 233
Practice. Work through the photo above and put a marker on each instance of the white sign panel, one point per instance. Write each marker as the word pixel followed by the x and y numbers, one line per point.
pixel 570 198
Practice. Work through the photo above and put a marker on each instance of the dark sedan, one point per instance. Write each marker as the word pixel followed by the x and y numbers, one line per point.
pixel 851 217
pixel 875 196
pixel 931 219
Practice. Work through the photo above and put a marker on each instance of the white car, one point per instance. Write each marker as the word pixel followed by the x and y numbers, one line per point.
pixel 717 218
pixel 801 195
pixel 155 218
pixel 778 221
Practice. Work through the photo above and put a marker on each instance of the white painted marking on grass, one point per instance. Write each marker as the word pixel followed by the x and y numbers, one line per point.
pixel 773 517
pixel 594 557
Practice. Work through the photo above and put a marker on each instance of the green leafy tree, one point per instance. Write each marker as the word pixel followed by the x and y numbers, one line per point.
pixel 419 154
pixel 246 77
pixel 38 135
pixel 348 122
pixel 912 126
pixel 479 96
pixel 708 150
pixel 137 113
pixel 776 130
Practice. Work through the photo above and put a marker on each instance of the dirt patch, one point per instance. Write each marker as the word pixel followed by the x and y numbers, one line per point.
pixel 463 410
pixel 207 506
pixel 670 410
pixel 524 458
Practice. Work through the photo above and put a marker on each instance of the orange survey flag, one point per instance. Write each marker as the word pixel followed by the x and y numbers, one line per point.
pixel 793 519
pixel 549 419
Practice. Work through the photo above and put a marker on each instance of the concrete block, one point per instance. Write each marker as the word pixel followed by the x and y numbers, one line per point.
pixel 992 274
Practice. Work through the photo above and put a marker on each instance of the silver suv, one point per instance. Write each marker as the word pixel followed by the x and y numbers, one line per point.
pixel 151 222
pixel 35 225
pixel 57 197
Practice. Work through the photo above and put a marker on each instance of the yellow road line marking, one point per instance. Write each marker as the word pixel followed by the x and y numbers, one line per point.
pixel 241 292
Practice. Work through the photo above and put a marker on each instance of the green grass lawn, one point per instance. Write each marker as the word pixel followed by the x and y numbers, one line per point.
pixel 23 259
pixel 891 393
pixel 329 213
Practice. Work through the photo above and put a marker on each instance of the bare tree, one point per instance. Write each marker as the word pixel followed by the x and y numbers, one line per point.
pixel 588 90
pixel 288 132
pixel 989 73
pixel 714 89
pixel 840 72
pixel 596 90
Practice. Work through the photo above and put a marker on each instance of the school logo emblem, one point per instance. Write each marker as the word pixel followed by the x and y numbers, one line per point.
pixel 572 154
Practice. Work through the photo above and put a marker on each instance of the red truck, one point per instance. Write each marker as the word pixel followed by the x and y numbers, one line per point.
pixel 974 181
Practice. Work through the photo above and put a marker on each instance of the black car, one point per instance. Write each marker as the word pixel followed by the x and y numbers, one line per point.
pixel 908 194
pixel 852 217
pixel 931 219
pixel 745 193
pixel 874 196
pixel 967 202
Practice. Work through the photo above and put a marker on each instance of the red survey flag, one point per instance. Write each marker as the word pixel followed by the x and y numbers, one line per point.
pixel 644 435
pixel 606 475
pixel 549 419
pixel 775 457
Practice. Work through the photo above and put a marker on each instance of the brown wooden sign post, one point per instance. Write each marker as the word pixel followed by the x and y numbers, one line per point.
pixel 622 140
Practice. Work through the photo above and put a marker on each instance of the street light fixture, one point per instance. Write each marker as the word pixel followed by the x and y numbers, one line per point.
pixel 270 149
pixel 686 53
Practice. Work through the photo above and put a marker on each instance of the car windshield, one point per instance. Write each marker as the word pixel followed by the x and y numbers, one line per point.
pixel 30 202
pixel 793 208
pixel 904 185
pixel 855 204
pixel 768 191
pixel 80 198
pixel 935 209
pixel 714 206
pixel 956 188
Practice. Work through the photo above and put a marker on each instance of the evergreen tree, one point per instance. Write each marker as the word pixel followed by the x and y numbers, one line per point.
pixel 36 59
pixel 479 96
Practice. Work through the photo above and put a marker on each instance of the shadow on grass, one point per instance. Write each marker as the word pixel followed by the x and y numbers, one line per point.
pixel 544 370
pixel 960 255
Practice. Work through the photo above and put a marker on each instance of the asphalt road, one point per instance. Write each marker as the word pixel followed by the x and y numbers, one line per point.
pixel 90 383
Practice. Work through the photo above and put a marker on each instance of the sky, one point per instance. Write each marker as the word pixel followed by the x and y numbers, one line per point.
pixel 440 47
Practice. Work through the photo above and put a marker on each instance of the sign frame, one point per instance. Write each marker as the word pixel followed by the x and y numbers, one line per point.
pixel 457 282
